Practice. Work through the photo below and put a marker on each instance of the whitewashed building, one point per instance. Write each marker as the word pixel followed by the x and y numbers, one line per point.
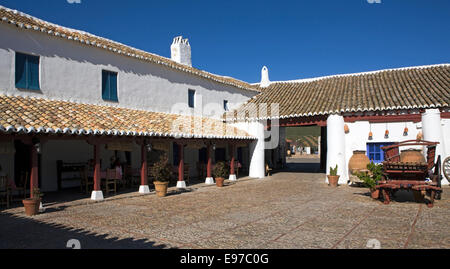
pixel 69 97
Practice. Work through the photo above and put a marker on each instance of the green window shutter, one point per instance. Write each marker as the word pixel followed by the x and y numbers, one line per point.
pixel 105 85
pixel 33 72
pixel 109 86
pixel 113 87
pixel 21 71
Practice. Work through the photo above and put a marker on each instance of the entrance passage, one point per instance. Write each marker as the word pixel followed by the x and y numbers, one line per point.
pixel 306 149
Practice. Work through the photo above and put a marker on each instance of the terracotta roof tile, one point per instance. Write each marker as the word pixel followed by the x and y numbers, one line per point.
pixel 35 115
pixel 404 88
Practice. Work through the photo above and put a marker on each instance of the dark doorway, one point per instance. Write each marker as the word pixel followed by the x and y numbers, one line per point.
pixel 22 163
pixel 323 149
pixel 220 154
pixel 203 155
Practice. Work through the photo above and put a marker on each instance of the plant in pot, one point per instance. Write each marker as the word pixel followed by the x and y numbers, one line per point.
pixel 220 172
pixel 333 178
pixel 162 172
pixel 371 178
pixel 31 205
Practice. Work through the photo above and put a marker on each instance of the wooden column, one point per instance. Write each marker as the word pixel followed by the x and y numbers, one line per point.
pixel 232 172
pixel 34 183
pixel 97 176
pixel 209 164
pixel 144 176
pixel 181 162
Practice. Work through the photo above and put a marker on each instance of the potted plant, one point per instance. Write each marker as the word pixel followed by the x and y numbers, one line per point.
pixel 31 205
pixel 220 172
pixel 371 178
pixel 333 178
pixel 162 172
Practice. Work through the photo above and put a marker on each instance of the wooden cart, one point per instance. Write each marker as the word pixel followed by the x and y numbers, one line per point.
pixel 411 176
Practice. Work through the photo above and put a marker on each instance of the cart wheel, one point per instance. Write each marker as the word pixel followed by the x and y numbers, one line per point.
pixel 446 168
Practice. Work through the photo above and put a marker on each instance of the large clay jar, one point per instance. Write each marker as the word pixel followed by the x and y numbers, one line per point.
pixel 412 156
pixel 358 161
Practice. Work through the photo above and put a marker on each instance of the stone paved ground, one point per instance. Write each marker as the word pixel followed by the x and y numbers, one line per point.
pixel 287 210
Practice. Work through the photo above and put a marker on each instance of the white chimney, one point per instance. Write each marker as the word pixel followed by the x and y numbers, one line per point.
pixel 265 82
pixel 181 51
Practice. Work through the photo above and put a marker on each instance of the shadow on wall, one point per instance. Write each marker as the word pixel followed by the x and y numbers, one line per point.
pixel 26 233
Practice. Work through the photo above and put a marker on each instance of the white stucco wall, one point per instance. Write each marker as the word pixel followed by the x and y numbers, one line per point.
pixel 446 135
pixel 72 71
pixel 358 136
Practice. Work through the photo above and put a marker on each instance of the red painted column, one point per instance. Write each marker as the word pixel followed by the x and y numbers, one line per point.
pixel 144 177
pixel 232 159
pixel 34 183
pixel 181 164
pixel 97 177
pixel 208 166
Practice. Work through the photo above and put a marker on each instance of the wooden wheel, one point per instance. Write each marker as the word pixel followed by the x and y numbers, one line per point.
pixel 446 168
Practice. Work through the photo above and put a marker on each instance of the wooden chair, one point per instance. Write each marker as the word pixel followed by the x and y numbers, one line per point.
pixel 186 175
pixel 86 183
pixel 111 179
pixel 128 176
pixel 236 168
pixel 135 177
pixel 5 192
pixel 22 188
pixel 201 170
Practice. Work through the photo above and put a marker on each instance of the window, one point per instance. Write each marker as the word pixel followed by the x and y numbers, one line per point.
pixel 109 86
pixel 27 71
pixel 225 105
pixel 191 98
pixel 375 153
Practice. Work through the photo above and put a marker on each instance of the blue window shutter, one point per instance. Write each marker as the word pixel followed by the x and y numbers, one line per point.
pixel 113 87
pixel 105 88
pixel 191 98
pixel 109 86
pixel 21 71
pixel 33 72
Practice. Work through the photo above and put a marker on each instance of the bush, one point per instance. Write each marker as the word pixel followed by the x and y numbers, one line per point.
pixel 375 174
pixel 162 170
pixel 221 169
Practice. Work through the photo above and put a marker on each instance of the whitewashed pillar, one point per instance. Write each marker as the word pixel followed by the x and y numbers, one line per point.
pixel 432 131
pixel 336 147
pixel 257 167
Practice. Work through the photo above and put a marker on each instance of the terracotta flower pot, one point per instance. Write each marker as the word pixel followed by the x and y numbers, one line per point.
pixel 31 206
pixel 375 193
pixel 333 180
pixel 219 181
pixel 161 188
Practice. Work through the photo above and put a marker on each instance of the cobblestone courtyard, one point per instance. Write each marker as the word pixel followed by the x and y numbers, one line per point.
pixel 286 210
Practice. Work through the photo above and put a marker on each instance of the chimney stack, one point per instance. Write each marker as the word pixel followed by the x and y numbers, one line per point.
pixel 181 51
pixel 265 82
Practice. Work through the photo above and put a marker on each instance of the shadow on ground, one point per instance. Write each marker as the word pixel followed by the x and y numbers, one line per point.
pixel 28 233
pixel 302 165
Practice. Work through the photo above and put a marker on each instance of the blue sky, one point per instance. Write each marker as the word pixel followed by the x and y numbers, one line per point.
pixel 294 39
